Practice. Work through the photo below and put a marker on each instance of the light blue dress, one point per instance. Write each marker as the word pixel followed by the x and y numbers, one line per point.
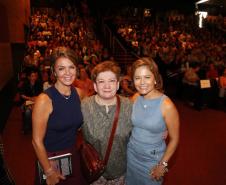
pixel 146 145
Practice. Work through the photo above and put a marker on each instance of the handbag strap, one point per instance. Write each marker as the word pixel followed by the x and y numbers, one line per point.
pixel 114 126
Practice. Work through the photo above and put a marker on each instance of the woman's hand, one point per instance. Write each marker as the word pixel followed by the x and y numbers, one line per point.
pixel 165 134
pixel 53 177
pixel 158 171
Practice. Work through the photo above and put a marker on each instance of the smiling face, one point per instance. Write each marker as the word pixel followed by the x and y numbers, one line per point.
pixel 65 71
pixel 144 80
pixel 106 85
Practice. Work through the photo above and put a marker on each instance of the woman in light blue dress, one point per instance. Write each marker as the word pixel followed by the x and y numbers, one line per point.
pixel 153 114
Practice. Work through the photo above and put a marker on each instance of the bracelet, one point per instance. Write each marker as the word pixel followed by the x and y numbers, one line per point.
pixel 49 172
pixel 164 164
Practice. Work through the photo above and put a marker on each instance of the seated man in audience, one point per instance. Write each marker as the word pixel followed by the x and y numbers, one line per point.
pixel 126 84
pixel 192 87
pixel 84 82
pixel 31 88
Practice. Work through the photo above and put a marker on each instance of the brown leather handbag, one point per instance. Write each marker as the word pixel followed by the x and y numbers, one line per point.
pixel 92 165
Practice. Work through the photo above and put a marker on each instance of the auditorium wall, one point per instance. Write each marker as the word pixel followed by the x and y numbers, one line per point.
pixel 14 14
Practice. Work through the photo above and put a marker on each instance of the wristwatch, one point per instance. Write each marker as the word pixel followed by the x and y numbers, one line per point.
pixel 165 164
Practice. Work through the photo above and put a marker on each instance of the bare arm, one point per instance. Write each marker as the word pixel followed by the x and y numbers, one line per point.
pixel 39 124
pixel 171 118
pixel 40 115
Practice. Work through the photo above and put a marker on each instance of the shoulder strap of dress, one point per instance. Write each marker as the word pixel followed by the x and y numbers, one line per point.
pixel 49 92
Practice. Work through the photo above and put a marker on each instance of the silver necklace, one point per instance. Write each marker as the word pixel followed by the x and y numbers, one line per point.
pixel 144 103
pixel 66 97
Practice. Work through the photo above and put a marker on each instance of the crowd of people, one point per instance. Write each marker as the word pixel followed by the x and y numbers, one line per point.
pixel 48 29
pixel 70 81
pixel 177 44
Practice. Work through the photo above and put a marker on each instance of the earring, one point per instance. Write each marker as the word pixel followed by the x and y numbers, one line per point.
pixel 155 83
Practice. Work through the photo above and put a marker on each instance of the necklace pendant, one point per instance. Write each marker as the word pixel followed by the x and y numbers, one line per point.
pixel 66 97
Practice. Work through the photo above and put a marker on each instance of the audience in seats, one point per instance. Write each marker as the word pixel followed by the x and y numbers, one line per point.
pixel 191 82
pixel 49 80
pixel 84 82
pixel 29 90
pixel 126 83
pixel 212 72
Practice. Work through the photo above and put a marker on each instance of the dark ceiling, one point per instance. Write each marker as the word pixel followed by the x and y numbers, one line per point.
pixel 157 4
pixel 215 6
